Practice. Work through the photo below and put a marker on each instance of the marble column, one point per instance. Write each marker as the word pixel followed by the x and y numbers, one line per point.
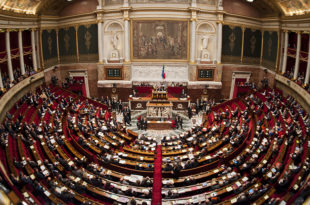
pixel 1 83
pixel 284 63
pixel 38 48
pixel 8 50
pixel 33 49
pixel 296 69
pixel 127 41
pixel 100 3
pixel 280 51
pixel 308 66
pixel 100 41
pixel 193 41
pixel 219 42
pixel 21 51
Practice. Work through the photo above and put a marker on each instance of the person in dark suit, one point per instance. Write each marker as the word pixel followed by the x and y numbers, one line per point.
pixel 189 112
pixel 180 122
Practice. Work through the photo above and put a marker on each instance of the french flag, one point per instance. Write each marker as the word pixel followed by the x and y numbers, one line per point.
pixel 163 74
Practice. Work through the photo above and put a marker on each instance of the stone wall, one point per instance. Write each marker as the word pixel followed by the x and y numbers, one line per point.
pixel 79 7
pixel 240 8
pixel 258 73
pixel 62 71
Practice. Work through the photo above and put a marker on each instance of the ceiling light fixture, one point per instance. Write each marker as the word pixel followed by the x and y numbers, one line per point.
pixel 250 1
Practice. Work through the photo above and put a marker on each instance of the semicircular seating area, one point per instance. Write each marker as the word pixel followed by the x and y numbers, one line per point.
pixel 61 148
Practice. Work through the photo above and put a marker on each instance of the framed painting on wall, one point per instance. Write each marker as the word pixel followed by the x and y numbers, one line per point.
pixel 159 40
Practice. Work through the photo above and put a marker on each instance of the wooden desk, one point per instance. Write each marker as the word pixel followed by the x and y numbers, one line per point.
pixel 159 125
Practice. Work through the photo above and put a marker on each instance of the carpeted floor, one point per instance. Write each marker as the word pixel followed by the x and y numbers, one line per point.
pixel 187 124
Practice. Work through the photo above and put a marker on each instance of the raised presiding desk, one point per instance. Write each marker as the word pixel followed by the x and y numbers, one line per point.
pixel 140 103
pixel 157 110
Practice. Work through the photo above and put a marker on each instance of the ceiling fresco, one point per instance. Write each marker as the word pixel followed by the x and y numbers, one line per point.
pixel 295 7
pixel 53 7
pixel 49 7
pixel 20 6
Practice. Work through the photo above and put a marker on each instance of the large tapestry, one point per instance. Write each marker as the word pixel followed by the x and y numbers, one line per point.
pixel 49 47
pixel 270 49
pixel 252 46
pixel 232 44
pixel 67 45
pixel 88 42
pixel 159 40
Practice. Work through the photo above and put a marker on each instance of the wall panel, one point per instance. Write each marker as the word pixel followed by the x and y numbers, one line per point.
pixel 67 45
pixel 88 42
pixel 232 44
pixel 270 49
pixel 49 47
pixel 252 46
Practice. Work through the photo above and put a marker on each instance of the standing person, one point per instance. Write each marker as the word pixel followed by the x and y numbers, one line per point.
pixel 120 106
pixel 181 122
pixel 189 112
pixel 176 122
pixel 129 113
pixel 144 124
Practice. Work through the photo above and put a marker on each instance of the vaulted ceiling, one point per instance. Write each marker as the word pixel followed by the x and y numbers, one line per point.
pixel 48 7
pixel 281 7
pixel 53 7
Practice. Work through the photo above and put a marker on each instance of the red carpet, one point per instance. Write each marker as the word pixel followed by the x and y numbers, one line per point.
pixel 157 184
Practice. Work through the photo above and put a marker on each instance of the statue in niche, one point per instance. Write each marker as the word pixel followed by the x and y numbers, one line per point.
pixel 205 54
pixel 220 3
pixel 115 41
pixel 115 52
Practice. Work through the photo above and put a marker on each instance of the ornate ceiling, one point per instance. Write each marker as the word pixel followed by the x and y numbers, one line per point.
pixel 282 7
pixel 34 6
pixel 53 7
